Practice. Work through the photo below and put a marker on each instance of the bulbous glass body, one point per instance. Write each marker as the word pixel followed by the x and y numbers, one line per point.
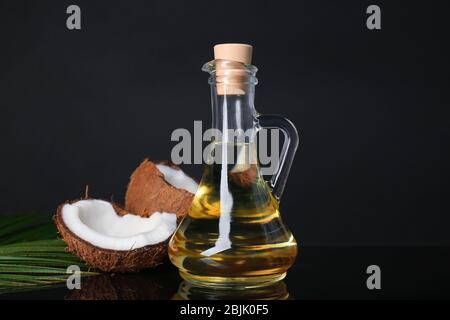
pixel 233 235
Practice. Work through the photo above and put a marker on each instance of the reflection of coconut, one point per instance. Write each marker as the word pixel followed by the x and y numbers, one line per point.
pixel 114 240
pixel 244 177
pixel 244 172
pixel 119 287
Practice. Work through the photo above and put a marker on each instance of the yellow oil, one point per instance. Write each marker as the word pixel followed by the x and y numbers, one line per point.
pixel 261 248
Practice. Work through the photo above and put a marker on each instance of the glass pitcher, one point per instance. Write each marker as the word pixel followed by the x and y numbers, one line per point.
pixel 233 235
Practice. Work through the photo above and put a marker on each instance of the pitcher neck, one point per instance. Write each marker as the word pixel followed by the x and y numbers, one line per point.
pixel 232 99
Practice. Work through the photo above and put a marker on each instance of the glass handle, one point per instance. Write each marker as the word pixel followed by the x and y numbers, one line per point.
pixel 291 139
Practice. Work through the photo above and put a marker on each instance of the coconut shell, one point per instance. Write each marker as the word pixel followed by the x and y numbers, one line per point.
pixel 110 260
pixel 149 192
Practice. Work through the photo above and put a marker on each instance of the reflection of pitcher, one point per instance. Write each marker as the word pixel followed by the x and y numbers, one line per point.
pixel 233 235
pixel 275 291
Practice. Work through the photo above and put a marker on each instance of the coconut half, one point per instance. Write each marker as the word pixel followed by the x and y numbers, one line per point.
pixel 96 222
pixel 105 240
pixel 113 239
pixel 159 187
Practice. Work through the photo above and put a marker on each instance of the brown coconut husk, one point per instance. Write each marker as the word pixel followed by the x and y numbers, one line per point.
pixel 110 260
pixel 149 192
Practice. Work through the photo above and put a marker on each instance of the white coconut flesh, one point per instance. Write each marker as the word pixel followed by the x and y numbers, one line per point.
pixel 96 222
pixel 178 178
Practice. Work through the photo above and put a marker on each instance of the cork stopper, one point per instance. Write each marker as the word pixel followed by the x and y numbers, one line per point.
pixel 233 51
pixel 231 73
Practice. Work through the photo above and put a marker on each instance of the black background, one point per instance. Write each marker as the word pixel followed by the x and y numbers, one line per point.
pixel 85 107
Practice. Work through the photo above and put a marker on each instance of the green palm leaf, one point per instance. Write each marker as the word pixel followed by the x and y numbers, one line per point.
pixel 31 256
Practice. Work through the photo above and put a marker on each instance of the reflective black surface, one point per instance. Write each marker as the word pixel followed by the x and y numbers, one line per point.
pixel 319 273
